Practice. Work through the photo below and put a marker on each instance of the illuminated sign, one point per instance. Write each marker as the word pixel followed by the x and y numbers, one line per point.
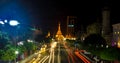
pixel 70 25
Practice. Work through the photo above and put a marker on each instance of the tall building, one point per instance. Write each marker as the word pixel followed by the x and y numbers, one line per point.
pixel 106 29
pixel 70 33
pixel 106 21
pixel 59 35
pixel 116 34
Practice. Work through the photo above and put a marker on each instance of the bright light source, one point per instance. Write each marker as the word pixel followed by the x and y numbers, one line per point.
pixel 16 52
pixel 107 46
pixel 5 21
pixel 53 45
pixel 20 43
pixel 14 22
pixel 1 22
pixel 30 40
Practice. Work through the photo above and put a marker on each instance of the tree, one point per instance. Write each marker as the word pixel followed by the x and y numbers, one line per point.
pixel 110 53
pixel 8 54
pixel 94 28
pixel 96 44
pixel 21 48
pixel 4 39
pixel 95 40
pixel 30 46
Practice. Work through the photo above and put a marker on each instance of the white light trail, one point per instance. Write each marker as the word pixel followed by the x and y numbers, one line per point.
pixel 45 59
pixel 42 59
pixel 50 56
pixel 53 57
pixel 59 54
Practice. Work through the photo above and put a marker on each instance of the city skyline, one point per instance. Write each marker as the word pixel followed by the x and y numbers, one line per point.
pixel 46 14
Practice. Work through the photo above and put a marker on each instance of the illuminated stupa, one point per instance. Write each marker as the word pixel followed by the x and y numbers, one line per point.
pixel 59 35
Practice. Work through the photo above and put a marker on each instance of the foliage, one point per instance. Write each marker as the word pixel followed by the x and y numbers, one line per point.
pixel 1 53
pixel 8 53
pixel 94 40
pixel 94 28
pixel 30 45
pixel 4 39
pixel 21 48
pixel 111 53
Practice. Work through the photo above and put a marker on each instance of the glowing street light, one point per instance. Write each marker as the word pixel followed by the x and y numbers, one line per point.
pixel 1 22
pixel 14 22
pixel 5 21
pixel 16 52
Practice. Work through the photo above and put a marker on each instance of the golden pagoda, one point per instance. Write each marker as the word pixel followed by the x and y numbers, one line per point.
pixel 59 35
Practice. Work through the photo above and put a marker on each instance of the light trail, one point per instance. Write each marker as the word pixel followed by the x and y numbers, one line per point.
pixel 42 59
pixel 51 59
pixel 82 57
pixel 68 59
pixel 59 54
pixel 50 56
pixel 32 60
pixel 37 59
pixel 45 59
pixel 69 53
pixel 53 56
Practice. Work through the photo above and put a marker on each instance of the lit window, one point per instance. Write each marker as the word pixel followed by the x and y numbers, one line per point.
pixel 118 44
pixel 115 32
pixel 70 25
pixel 118 32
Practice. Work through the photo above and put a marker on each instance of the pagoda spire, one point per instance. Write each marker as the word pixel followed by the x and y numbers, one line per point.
pixel 59 30
pixel 59 35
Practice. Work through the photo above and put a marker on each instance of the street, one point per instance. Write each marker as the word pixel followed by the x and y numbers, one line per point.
pixel 59 54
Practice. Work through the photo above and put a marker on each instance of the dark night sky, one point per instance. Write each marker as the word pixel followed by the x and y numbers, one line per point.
pixel 46 13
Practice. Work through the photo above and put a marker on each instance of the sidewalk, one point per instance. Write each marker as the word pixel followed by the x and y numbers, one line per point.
pixel 27 59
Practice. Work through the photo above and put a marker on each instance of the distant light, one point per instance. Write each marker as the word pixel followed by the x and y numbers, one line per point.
pixel 20 43
pixel 16 52
pixel 70 25
pixel 30 40
pixel 107 46
pixel 5 21
pixel 14 22
pixel 1 22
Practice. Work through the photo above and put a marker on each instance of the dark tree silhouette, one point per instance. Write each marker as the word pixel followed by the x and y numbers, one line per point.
pixel 94 40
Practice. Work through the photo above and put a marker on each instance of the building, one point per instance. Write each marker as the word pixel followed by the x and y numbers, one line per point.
pixel 70 31
pixel 59 35
pixel 106 30
pixel 116 34
pixel 106 21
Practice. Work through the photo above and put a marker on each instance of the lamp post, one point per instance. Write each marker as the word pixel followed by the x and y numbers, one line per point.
pixel 16 53
pixel 14 23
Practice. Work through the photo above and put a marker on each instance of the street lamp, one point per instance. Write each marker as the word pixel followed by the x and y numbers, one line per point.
pixel 1 22
pixel 16 52
pixel 14 22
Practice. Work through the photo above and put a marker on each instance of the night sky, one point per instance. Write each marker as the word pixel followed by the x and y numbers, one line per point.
pixel 45 14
